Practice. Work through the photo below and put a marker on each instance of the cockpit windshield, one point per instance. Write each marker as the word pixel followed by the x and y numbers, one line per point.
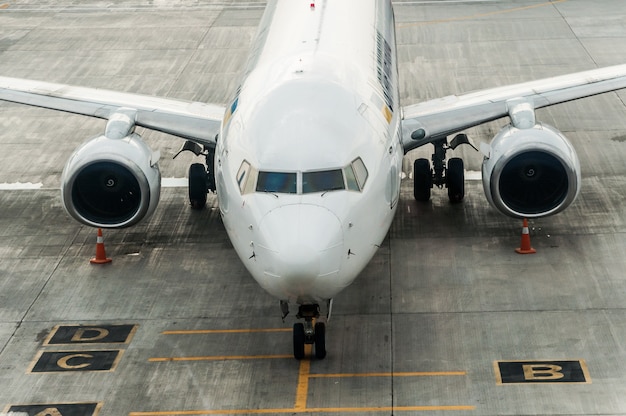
pixel 351 177
pixel 277 182
pixel 322 181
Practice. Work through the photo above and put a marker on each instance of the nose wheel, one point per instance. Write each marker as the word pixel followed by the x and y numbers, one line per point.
pixel 309 332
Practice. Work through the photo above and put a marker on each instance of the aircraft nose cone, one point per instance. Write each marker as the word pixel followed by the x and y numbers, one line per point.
pixel 298 244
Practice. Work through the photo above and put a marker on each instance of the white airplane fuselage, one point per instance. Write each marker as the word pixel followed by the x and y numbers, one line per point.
pixel 308 160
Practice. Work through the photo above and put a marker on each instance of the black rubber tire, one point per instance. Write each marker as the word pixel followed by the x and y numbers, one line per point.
pixel 320 340
pixel 422 180
pixel 455 180
pixel 197 185
pixel 298 341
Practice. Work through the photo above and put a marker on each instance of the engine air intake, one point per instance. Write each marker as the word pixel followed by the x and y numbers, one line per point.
pixel 531 173
pixel 111 183
pixel 106 192
pixel 533 182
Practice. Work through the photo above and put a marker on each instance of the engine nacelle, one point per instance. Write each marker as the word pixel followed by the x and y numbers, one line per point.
pixel 111 183
pixel 531 172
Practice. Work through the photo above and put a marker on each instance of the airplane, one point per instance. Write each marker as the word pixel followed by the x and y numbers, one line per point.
pixel 306 158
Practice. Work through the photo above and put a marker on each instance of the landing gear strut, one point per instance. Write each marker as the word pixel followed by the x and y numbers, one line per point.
pixel 309 332
pixel 201 178
pixel 452 176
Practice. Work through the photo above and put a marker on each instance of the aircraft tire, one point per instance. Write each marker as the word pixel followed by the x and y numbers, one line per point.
pixel 197 186
pixel 320 340
pixel 298 341
pixel 422 180
pixel 455 180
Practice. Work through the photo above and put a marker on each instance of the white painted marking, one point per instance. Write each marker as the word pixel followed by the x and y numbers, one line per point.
pixel 20 186
pixel 28 186
pixel 473 175
pixel 174 182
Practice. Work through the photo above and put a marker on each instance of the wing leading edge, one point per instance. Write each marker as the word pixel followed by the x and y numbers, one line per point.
pixel 422 123
pixel 435 119
pixel 195 121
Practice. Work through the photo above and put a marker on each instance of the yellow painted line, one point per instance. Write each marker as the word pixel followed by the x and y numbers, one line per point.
pixel 218 358
pixel 387 409
pixel 223 331
pixel 476 16
pixel 410 374
pixel 302 391
pixel 305 410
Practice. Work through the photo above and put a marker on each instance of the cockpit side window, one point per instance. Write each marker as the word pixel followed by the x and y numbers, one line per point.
pixel 360 172
pixel 279 182
pixel 351 182
pixel 242 175
pixel 246 176
pixel 322 181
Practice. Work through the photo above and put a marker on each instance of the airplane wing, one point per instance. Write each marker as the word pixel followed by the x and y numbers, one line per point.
pixel 435 119
pixel 195 121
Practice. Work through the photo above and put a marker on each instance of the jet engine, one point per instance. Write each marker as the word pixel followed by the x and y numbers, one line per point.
pixel 111 182
pixel 531 172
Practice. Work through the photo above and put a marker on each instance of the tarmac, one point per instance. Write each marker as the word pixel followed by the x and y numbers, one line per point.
pixel 446 319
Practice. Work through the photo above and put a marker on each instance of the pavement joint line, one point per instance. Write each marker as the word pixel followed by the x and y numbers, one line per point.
pixel 218 358
pixel 476 16
pixel 306 410
pixel 304 376
pixel 223 331
pixel 404 374
pixel 221 357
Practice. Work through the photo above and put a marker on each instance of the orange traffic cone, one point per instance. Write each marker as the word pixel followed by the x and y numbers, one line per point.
pixel 101 256
pixel 525 247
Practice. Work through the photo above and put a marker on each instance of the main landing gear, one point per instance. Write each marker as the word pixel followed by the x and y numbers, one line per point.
pixel 309 332
pixel 201 177
pixel 452 176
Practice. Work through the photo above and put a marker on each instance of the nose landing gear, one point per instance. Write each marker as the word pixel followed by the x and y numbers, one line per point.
pixel 309 332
